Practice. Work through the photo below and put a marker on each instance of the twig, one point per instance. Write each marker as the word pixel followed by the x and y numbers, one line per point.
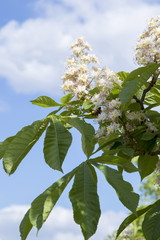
pixel 139 101
pixel 154 153
pixel 152 83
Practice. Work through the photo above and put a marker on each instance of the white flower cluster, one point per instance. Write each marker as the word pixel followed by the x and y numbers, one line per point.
pixel 77 77
pixel 139 115
pixel 133 117
pixel 151 127
pixel 105 131
pixel 83 75
pixel 127 234
pixel 148 46
pixel 106 80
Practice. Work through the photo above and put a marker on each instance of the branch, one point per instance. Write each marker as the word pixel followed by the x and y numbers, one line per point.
pixel 152 83
pixel 139 101
pixel 154 153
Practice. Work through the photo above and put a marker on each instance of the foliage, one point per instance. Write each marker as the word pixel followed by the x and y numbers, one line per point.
pixel 150 192
pixel 122 104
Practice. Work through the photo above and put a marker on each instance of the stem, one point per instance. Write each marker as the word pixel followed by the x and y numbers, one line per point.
pixel 54 112
pixel 139 101
pixel 154 153
pixel 152 83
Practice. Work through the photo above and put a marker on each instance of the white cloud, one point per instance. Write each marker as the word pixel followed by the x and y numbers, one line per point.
pixel 59 226
pixel 33 52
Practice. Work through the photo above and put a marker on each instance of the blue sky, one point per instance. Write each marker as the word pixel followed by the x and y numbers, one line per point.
pixel 34 42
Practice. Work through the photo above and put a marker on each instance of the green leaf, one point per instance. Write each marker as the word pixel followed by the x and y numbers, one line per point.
pixel 66 98
pixel 147 165
pixel 87 104
pixel 115 160
pixel 134 107
pixel 135 81
pixel 45 101
pixel 25 226
pixel 4 145
pixel 133 217
pixel 88 134
pixel 104 143
pixel 151 106
pixel 151 223
pixel 85 201
pixel 127 151
pixel 148 136
pixel 153 96
pixel 123 189
pixel 56 144
pixel 44 203
pixel 22 144
pixel 123 75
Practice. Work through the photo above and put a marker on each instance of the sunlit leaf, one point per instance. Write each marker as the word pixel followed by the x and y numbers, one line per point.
pixel 135 81
pixel 45 101
pixel 65 99
pixel 87 104
pixel 115 160
pixel 123 75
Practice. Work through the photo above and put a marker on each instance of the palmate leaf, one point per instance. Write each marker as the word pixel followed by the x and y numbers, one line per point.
pixel 151 223
pixel 56 144
pixel 123 189
pixel 147 165
pixel 45 101
pixel 115 160
pixel 85 201
pixel 135 81
pixel 43 205
pixel 133 217
pixel 22 143
pixel 88 134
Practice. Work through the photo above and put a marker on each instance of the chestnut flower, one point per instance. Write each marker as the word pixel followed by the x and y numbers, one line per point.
pixel 148 45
